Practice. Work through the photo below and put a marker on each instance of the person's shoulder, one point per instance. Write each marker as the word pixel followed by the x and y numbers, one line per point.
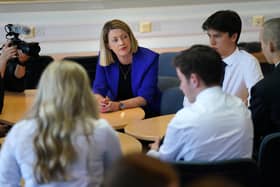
pixel 25 124
pixel 24 128
pixel 184 118
pixel 247 57
pixel 269 82
pixel 102 125
pixel 232 101
pixel 147 51
pixel 103 130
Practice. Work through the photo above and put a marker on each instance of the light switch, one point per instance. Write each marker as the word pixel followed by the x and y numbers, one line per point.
pixel 258 21
pixel 31 34
pixel 145 26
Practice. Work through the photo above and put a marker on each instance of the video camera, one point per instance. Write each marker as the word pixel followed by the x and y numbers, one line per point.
pixel 13 32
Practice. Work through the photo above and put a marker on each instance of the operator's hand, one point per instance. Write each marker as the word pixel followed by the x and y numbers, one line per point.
pixel 22 57
pixel 8 52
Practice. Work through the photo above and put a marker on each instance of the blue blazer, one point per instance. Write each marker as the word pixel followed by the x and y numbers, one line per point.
pixel 144 79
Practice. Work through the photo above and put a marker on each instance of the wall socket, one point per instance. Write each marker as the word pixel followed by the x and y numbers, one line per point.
pixel 258 21
pixel 31 34
pixel 145 26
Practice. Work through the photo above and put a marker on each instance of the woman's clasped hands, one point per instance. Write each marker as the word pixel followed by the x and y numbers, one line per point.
pixel 106 105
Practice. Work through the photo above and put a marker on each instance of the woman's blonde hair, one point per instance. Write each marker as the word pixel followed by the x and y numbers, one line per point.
pixel 106 56
pixel 64 102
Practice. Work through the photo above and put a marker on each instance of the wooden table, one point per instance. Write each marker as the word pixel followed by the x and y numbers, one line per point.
pixel 2 139
pixel 17 104
pixel 149 129
pixel 128 143
pixel 120 119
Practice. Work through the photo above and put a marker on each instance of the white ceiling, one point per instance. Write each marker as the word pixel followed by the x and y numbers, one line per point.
pixel 149 3
pixel 69 5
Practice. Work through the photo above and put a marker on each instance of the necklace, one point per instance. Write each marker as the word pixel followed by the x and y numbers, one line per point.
pixel 125 70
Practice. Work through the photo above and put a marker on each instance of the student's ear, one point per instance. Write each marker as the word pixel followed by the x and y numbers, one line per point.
pixel 271 46
pixel 234 37
pixel 194 80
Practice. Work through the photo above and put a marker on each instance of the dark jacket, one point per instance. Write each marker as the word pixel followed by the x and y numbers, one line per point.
pixel 265 104
pixel 11 82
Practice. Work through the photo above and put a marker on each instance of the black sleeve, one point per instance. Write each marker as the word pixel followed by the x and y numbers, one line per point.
pixel 1 94
pixel 260 113
pixel 12 83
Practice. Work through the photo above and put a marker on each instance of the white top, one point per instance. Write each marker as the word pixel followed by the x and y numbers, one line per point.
pixel 242 72
pixel 17 156
pixel 215 127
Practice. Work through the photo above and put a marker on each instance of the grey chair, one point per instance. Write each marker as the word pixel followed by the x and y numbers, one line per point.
pixel 171 100
pixel 168 82
pixel 165 64
pixel 269 159
pixel 250 47
pixel 165 82
pixel 242 171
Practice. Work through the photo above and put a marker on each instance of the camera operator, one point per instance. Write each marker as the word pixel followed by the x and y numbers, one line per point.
pixel 13 67
pixel 15 55
pixel 12 72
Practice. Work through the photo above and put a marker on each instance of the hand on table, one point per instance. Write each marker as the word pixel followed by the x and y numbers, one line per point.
pixel 106 105
pixel 155 145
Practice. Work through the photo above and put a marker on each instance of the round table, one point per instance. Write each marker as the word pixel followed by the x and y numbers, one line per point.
pixel 17 104
pixel 119 119
pixel 149 129
pixel 128 143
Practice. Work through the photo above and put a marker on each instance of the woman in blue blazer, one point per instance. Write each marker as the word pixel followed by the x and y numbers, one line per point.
pixel 126 75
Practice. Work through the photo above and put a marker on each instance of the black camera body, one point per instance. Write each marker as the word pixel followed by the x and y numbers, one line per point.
pixel 13 32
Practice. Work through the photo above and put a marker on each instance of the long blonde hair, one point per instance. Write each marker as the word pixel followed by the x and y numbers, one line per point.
pixel 64 99
pixel 106 57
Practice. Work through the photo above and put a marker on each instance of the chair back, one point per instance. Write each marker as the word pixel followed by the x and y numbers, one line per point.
pixel 34 69
pixel 269 159
pixel 250 47
pixel 165 82
pixel 165 64
pixel 88 62
pixel 171 100
pixel 242 171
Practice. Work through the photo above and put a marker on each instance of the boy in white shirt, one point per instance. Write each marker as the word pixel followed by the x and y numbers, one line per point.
pixel 217 126
pixel 242 69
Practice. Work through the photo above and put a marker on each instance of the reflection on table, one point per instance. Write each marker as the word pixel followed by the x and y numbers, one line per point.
pixel 17 104
pixel 120 119
pixel 149 129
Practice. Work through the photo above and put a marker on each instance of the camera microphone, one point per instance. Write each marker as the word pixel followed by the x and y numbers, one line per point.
pixel 13 31
pixel 20 29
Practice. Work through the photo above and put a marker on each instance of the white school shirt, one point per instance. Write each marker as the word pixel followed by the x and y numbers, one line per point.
pixel 17 156
pixel 216 126
pixel 242 72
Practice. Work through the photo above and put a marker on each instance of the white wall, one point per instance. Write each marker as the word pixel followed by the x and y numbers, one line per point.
pixel 69 31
